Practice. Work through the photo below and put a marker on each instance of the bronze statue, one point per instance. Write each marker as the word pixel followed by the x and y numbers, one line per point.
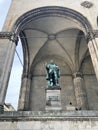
pixel 53 73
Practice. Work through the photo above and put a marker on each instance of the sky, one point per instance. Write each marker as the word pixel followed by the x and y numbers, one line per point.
pixel 15 77
pixel 4 6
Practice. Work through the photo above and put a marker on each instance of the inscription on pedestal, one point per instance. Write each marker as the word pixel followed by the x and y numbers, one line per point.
pixel 53 99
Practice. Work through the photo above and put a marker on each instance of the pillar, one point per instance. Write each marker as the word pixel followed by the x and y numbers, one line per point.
pixel 93 49
pixel 80 93
pixel 7 51
pixel 24 93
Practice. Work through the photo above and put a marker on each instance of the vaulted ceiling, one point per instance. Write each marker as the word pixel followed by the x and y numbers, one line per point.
pixel 55 37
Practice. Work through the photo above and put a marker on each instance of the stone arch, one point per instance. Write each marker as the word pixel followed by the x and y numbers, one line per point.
pixel 43 12
pixel 51 11
pixel 61 12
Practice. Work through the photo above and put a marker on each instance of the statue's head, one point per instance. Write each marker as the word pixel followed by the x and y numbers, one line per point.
pixel 52 62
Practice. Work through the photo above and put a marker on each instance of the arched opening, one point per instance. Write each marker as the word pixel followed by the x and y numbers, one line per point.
pixel 51 33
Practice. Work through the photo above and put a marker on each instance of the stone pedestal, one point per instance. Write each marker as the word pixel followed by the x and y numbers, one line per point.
pixel 53 98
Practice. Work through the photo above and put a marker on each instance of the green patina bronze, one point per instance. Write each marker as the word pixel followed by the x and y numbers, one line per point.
pixel 53 73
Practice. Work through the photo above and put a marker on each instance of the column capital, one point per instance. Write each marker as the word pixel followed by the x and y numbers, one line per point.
pixel 9 35
pixel 14 38
pixel 90 36
pixel 77 74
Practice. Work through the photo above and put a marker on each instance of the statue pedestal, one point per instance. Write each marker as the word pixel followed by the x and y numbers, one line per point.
pixel 53 98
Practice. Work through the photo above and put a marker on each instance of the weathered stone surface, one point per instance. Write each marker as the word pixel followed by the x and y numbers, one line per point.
pixel 67 120
pixel 7 50
pixel 53 99
pixel 80 93
pixel 62 36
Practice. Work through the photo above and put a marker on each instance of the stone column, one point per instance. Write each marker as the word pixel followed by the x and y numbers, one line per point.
pixel 93 49
pixel 24 93
pixel 7 51
pixel 79 88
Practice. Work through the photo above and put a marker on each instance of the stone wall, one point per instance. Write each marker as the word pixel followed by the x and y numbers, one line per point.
pixel 39 83
pixel 37 97
pixel 21 7
pixel 69 120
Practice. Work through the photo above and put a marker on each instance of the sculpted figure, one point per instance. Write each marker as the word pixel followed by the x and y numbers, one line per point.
pixel 53 73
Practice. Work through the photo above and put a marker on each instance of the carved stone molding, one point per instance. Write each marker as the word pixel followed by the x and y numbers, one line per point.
pixel 87 4
pixel 96 33
pixel 5 35
pixel 53 11
pixel 9 35
pixel 92 35
pixel 77 74
pixel 26 75
pixel 14 38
